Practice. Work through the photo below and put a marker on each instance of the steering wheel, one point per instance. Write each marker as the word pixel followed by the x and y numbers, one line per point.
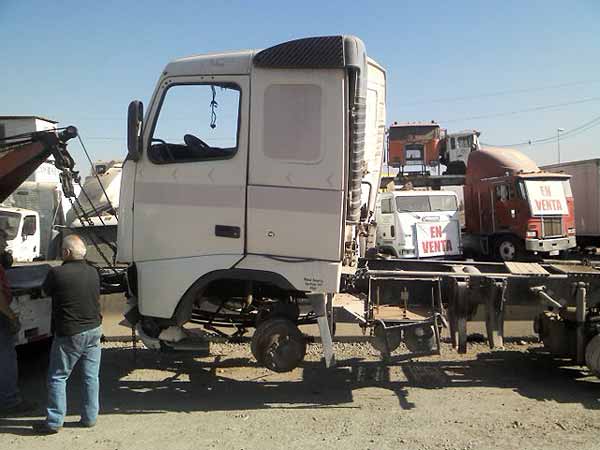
pixel 166 146
pixel 195 142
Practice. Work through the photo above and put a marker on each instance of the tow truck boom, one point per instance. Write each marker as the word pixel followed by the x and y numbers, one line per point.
pixel 21 155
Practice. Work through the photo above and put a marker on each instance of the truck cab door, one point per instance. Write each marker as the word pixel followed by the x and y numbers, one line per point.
pixel 30 232
pixel 190 183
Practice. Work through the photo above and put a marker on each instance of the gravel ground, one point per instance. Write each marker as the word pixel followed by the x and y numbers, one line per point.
pixel 518 397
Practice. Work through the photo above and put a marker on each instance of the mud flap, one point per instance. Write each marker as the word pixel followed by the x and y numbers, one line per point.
pixel 319 305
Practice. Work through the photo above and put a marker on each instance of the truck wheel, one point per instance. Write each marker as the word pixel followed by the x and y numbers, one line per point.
pixel 507 249
pixel 394 338
pixel 419 339
pixel 592 355
pixel 278 345
pixel 256 338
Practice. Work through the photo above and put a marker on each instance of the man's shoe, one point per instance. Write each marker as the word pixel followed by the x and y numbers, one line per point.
pixel 87 424
pixel 20 408
pixel 44 428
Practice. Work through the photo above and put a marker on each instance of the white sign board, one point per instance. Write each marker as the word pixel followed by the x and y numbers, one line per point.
pixel 440 238
pixel 546 197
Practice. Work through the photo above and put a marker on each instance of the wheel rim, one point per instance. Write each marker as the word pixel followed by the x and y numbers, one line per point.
pixel 507 250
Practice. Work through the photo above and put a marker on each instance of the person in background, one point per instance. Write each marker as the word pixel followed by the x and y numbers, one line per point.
pixel 75 291
pixel 11 401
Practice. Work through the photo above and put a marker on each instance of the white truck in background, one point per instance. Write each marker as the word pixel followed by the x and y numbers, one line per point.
pixel 22 228
pixel 585 186
pixel 418 224
pixel 33 214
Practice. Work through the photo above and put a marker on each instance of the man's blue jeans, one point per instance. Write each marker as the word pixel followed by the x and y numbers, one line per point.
pixel 9 391
pixel 66 352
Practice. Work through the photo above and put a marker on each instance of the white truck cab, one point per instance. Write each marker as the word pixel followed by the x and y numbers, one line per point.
pixel 418 224
pixel 245 180
pixel 457 148
pixel 22 227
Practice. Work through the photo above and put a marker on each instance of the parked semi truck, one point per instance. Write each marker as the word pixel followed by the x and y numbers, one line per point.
pixel 243 213
pixel 418 224
pixel 585 185
pixel 512 208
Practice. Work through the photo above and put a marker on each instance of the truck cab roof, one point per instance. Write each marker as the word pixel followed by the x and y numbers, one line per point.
pixel 322 52
pixel 403 193
pixel 22 211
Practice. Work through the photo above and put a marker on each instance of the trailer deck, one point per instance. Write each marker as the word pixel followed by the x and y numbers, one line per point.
pixel 424 295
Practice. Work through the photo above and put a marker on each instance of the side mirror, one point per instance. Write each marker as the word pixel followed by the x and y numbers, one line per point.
pixel 135 118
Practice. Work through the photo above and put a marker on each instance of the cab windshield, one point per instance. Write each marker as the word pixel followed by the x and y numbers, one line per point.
pixel 9 222
pixel 423 203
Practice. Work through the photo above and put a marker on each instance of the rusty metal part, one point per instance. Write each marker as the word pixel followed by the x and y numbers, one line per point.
pixel 280 346
pixel 580 313
pixel 420 339
pixel 385 341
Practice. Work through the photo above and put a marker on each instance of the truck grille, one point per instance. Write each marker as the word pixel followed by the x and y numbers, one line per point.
pixel 552 226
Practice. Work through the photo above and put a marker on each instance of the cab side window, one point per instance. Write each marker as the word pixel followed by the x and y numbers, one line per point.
pixel 504 192
pixel 386 206
pixel 29 226
pixel 196 122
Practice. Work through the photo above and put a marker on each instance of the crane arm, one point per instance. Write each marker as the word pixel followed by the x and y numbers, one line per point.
pixel 19 160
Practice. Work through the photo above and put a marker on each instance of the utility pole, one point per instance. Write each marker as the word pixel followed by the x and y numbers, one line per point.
pixel 558 131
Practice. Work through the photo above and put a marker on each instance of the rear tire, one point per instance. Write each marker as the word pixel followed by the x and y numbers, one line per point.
pixel 508 248
pixel 278 345
pixel 420 339
pixel 592 355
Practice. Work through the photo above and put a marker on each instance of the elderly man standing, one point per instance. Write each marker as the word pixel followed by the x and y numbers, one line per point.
pixel 75 291
pixel 11 401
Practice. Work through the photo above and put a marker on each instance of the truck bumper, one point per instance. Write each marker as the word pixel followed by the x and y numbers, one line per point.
pixel 549 245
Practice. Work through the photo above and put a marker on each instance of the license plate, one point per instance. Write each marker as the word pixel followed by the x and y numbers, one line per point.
pixel 554 252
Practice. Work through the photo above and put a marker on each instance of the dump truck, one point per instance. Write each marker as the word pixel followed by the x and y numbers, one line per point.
pixel 419 147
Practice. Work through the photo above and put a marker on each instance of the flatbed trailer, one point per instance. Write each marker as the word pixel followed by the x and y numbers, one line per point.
pixel 410 300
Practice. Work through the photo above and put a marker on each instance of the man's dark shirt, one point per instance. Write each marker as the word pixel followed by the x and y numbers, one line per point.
pixel 75 291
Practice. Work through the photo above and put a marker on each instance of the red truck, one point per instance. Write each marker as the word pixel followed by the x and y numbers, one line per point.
pixel 512 208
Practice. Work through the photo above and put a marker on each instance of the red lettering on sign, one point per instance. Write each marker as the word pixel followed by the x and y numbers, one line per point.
pixel 546 191
pixel 435 231
pixel 436 246
pixel 548 205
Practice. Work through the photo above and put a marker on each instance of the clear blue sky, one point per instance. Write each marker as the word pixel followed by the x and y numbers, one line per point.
pixel 466 64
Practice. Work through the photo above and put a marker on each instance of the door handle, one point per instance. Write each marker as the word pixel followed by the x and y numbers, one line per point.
pixel 227 231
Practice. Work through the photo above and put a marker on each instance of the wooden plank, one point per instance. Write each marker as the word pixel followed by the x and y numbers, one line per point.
pixel 521 268
pixel 575 268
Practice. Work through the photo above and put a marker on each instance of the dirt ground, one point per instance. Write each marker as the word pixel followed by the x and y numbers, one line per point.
pixel 518 397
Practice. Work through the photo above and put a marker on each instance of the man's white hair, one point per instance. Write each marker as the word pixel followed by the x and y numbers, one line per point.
pixel 75 245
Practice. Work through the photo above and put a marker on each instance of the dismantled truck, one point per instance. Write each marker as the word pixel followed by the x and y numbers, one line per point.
pixel 251 181
pixel 249 185
pixel 245 209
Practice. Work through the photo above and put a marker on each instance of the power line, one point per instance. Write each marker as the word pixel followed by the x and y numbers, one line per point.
pixel 520 111
pixel 565 135
pixel 499 93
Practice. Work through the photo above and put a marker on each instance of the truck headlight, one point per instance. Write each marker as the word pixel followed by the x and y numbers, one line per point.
pixel 571 231
pixel 531 233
